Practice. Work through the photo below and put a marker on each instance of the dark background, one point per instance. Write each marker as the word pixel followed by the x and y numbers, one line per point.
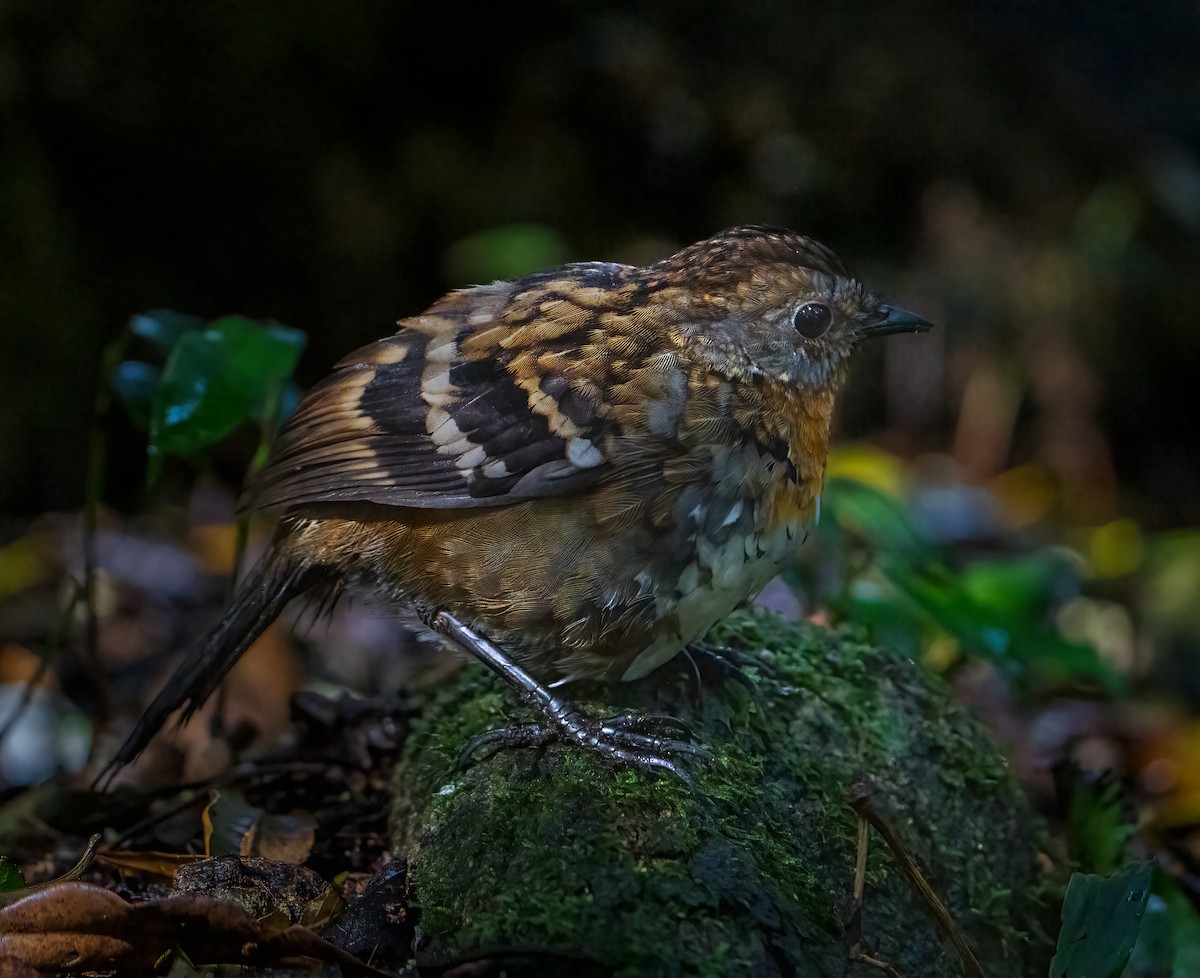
pixel 1024 173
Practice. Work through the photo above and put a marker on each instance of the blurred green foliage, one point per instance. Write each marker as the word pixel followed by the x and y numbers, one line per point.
pixel 11 877
pixel 878 570
pixel 215 377
pixel 1097 827
pixel 1173 946
pixel 505 252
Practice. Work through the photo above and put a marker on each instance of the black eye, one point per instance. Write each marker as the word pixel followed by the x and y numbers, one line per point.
pixel 812 319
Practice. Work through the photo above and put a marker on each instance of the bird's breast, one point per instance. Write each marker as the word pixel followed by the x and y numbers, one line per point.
pixel 742 533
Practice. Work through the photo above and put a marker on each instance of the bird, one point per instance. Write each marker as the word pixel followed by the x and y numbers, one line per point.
pixel 572 474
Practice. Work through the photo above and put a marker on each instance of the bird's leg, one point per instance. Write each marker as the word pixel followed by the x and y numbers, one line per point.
pixel 639 739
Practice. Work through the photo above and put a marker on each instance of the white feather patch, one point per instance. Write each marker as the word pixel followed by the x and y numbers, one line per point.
pixel 436 380
pixel 472 459
pixel 442 428
pixel 583 454
pixel 442 353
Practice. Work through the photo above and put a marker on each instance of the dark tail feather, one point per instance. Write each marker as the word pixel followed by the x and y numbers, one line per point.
pixel 272 584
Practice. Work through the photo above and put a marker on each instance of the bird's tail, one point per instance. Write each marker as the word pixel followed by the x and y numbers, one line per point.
pixel 276 579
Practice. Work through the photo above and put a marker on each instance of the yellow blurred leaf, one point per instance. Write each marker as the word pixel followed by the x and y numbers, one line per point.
pixel 1169 769
pixel 1173 582
pixel 24 563
pixel 867 464
pixel 1116 549
pixel 941 653
pixel 20 665
pixel 215 546
pixel 1027 494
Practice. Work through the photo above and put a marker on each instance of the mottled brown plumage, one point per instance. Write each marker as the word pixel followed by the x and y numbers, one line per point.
pixel 588 466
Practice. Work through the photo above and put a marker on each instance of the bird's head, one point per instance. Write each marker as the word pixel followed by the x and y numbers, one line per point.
pixel 763 303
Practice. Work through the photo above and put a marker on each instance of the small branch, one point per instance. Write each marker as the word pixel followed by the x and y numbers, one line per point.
pixel 862 958
pixel 860 864
pixel 860 801
pixel 854 923
pixel 854 926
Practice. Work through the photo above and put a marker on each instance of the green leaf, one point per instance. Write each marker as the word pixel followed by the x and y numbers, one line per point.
pixel 134 383
pixel 164 327
pixel 278 346
pixel 11 877
pixel 1100 921
pixel 216 379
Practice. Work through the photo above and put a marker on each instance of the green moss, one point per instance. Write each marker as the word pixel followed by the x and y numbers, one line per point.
pixel 749 870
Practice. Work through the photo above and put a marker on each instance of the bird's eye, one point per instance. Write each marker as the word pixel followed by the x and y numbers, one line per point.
pixel 812 319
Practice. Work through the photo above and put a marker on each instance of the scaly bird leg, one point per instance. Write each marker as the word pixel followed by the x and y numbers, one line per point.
pixel 633 738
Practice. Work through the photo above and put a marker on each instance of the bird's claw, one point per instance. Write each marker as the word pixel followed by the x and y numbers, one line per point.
pixel 630 738
pixel 725 664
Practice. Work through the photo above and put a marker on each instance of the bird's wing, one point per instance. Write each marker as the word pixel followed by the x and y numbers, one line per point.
pixel 496 394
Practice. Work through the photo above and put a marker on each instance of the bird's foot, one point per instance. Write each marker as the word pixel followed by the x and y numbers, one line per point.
pixel 649 741
pixel 715 664
pixel 639 739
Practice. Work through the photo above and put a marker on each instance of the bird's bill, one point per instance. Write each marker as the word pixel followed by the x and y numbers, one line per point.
pixel 895 320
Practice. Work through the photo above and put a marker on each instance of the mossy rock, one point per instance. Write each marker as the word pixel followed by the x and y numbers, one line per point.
pixel 558 863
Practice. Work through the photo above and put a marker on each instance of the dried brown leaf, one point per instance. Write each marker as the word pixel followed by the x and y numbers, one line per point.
pixel 79 926
pixel 149 863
